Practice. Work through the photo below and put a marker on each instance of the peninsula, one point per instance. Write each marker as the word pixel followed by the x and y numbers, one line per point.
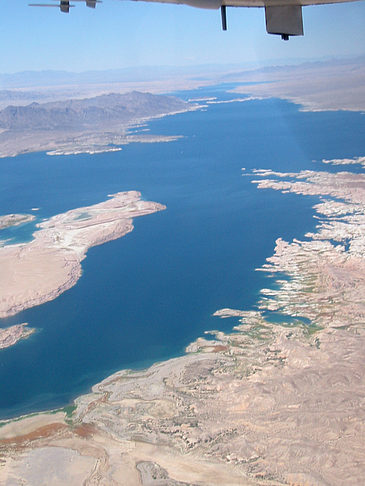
pixel 87 125
pixel 36 272
pixel 272 403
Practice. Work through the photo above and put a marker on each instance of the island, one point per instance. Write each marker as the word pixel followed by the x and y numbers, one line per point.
pixel 11 335
pixel 38 271
pixel 271 403
pixel 9 220
pixel 354 161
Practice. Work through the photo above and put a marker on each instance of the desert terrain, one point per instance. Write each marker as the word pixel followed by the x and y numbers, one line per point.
pixel 271 403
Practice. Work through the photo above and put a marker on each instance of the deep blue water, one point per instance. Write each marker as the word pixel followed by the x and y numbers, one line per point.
pixel 144 297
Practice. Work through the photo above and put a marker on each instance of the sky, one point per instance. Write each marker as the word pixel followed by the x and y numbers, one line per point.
pixel 122 33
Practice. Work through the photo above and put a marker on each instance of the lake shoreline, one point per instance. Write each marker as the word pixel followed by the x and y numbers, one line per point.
pixel 209 402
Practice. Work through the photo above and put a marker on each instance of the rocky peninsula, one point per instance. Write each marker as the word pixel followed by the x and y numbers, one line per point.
pixel 271 403
pixel 36 272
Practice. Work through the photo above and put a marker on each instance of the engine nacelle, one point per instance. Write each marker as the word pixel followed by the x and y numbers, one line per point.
pixel 284 20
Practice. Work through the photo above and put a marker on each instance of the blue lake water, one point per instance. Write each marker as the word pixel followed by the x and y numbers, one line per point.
pixel 144 297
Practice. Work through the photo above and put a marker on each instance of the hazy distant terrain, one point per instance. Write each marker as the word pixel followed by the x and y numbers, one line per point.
pixel 62 112
pixel 330 85
pixel 145 74
pixel 42 86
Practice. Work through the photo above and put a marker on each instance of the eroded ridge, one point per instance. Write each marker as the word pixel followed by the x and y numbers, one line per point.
pixel 36 272
pixel 268 404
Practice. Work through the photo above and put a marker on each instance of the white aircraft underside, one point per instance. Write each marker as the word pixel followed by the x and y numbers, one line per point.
pixel 215 4
pixel 283 17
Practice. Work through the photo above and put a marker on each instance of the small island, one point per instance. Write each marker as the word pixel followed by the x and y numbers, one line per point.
pixel 9 220
pixel 11 335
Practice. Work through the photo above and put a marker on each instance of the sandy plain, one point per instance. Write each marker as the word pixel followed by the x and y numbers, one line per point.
pixel 36 272
pixel 268 404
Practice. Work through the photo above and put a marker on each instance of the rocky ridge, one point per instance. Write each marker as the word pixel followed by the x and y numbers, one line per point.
pixel 88 112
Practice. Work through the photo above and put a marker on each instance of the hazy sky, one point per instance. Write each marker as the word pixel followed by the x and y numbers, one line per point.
pixel 123 33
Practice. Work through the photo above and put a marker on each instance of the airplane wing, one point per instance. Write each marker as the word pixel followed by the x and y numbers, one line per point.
pixel 283 17
pixel 64 5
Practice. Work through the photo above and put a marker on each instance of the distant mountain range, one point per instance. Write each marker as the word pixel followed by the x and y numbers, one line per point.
pixel 55 79
pixel 31 79
pixel 87 113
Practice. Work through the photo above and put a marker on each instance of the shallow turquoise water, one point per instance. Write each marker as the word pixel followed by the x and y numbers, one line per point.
pixel 144 297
